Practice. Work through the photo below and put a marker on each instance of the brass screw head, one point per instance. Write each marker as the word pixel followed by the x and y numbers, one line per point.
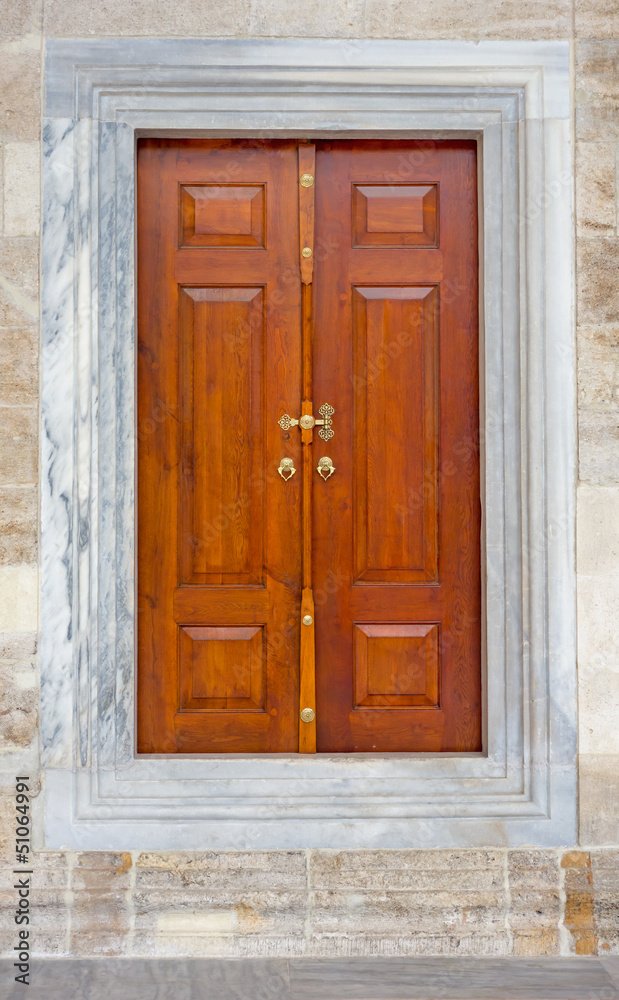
pixel 307 619
pixel 306 252
pixel 306 180
pixel 307 715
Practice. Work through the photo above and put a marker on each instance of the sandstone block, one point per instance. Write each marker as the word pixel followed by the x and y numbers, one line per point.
pixel 596 19
pixel 21 18
pixel 166 18
pixel 18 445
pixel 19 586
pixel 20 88
pixel 398 19
pixel 597 90
pixel 22 189
pixel 598 447
pixel 595 188
pixel 19 282
pixel 19 353
pixel 18 524
pixel 598 280
pixel 541 942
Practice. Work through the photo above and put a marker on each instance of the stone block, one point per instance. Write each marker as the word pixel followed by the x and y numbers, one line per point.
pixel 598 447
pixel 595 188
pixel 101 871
pixel 235 871
pixel 19 282
pixel 598 530
pixel 533 870
pixel 313 19
pixel 597 90
pixel 598 280
pixel 541 942
pixel 18 645
pixel 19 591
pixel 18 524
pixel 603 859
pixel 22 189
pixel 20 88
pixel 598 367
pixel 18 445
pixel 398 913
pixel 220 911
pixel 596 19
pixel 19 375
pixel 18 19
pixel 142 18
pixel 19 715
pixel 100 923
pixel 496 943
pixel 459 19
pixel 532 909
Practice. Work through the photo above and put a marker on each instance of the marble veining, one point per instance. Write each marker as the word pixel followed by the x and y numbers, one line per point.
pixel 515 98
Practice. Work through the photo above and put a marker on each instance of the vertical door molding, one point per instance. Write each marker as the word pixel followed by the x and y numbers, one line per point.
pixel 513 98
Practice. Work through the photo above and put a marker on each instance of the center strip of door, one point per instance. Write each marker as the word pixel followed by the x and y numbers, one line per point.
pixel 307 673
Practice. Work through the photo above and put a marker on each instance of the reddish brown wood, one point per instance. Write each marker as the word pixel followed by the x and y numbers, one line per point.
pixel 226 340
pixel 219 531
pixel 398 524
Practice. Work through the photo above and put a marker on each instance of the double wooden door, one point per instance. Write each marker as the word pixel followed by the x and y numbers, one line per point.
pixel 308 447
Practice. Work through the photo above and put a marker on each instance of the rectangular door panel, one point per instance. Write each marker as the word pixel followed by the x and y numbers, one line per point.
pixel 397 665
pixel 222 669
pixel 222 405
pixel 395 433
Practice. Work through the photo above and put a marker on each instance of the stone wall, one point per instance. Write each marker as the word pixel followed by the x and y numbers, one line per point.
pixel 324 903
pixel 492 902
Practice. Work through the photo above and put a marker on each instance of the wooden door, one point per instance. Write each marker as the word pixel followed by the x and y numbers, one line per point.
pixel 274 277
pixel 219 532
pixel 397 526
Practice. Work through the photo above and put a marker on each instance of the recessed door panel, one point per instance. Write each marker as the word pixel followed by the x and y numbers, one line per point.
pixel 395 441
pixel 222 395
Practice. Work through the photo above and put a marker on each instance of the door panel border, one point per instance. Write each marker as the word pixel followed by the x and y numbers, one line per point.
pixel 522 789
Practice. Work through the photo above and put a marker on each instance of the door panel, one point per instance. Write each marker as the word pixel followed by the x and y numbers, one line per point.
pixel 396 349
pixel 219 533
pixel 395 423
pixel 222 396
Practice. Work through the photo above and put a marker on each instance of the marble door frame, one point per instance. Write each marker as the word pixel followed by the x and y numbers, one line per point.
pixel 513 97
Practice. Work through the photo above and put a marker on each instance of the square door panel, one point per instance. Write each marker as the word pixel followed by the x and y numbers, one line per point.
pixel 396 665
pixel 222 215
pixel 222 668
pixel 395 215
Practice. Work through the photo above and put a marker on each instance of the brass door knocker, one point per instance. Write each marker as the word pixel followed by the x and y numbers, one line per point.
pixel 286 469
pixel 325 468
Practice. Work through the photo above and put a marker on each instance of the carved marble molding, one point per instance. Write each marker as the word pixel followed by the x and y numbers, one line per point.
pixel 514 98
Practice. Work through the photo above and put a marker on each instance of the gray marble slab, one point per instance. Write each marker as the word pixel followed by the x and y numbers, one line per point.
pixel 428 978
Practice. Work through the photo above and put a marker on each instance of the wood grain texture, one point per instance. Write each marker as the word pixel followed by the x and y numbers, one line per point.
pixel 219 531
pixel 396 351
pixel 234 329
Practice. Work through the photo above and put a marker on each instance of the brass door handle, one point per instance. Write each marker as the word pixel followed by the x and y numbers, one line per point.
pixel 325 467
pixel 286 469
pixel 307 421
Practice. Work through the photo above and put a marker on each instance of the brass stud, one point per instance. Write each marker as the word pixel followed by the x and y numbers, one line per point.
pixel 306 252
pixel 307 619
pixel 307 715
pixel 306 180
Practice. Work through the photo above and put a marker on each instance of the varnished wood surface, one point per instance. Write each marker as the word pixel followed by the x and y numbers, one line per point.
pixel 396 352
pixel 219 531
pixel 234 329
